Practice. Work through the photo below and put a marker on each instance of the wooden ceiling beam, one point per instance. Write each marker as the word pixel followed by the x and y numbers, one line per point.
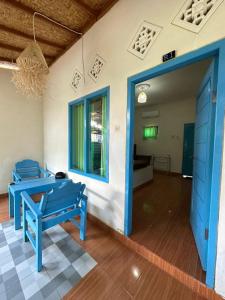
pixel 30 36
pixel 30 11
pixel 87 8
pixel 2 58
pixel 19 49
pixel 11 48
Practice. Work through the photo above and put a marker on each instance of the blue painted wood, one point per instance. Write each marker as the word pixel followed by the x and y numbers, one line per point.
pixel 38 243
pixel 11 207
pixel 103 92
pixel 28 169
pixel 216 167
pixel 60 204
pixel 83 217
pixel 62 217
pixel 188 149
pixel 25 226
pixel 202 164
pixel 32 187
pixel 214 50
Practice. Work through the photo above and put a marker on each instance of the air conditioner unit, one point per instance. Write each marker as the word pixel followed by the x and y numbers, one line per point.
pixel 150 114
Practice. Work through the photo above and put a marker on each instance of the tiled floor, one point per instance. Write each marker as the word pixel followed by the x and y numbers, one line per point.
pixel 64 260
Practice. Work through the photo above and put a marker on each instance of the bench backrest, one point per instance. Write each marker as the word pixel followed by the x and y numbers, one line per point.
pixel 66 195
pixel 27 168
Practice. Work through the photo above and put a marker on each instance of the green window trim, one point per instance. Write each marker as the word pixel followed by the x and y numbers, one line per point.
pixel 150 132
pixel 89 135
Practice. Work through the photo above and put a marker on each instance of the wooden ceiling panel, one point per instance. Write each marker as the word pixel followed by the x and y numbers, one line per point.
pixel 96 5
pixel 21 42
pixel 16 20
pixel 67 12
pixel 9 54
pixel 13 17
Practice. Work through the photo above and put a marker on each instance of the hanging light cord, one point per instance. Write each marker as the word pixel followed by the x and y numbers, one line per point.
pixel 65 27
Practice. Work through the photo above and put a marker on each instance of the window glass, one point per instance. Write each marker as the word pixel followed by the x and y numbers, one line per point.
pixel 97 136
pixel 89 135
pixel 77 143
pixel 150 132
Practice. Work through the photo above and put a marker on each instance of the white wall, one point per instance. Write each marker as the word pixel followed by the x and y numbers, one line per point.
pixel 110 37
pixel 21 133
pixel 173 116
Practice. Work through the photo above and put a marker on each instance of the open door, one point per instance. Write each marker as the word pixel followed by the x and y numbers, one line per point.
pixel 188 149
pixel 202 162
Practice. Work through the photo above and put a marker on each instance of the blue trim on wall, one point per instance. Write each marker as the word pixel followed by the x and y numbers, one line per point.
pixel 216 49
pixel 85 99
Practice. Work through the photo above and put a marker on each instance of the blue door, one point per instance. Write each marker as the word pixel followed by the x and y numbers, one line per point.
pixel 188 149
pixel 202 163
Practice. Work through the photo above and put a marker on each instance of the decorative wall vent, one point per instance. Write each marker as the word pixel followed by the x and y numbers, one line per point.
pixel 96 67
pixel 76 80
pixel 195 13
pixel 143 39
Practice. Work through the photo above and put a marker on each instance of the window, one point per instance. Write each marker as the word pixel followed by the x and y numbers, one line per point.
pixel 150 133
pixel 88 135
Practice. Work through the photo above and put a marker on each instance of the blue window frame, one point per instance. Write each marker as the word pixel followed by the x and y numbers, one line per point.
pixel 89 135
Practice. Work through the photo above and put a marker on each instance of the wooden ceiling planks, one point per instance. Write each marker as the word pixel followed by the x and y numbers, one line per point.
pixel 16 24
pixel 10 39
pixel 66 12
pixel 96 5
pixel 14 17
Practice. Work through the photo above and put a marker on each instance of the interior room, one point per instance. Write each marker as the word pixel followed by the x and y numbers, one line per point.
pixel 112 149
pixel 165 117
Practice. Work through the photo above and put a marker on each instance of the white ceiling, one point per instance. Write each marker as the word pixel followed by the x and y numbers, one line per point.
pixel 177 85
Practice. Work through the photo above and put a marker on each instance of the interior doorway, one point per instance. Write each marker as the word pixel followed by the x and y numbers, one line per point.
pixel 167 126
pixel 204 239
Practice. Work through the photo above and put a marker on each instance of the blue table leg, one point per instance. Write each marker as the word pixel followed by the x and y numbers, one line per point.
pixel 17 217
pixel 11 204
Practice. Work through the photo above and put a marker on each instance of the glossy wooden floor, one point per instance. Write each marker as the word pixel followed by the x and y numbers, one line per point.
pixel 161 222
pixel 120 273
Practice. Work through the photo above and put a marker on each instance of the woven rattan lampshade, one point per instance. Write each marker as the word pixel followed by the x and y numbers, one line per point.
pixel 30 79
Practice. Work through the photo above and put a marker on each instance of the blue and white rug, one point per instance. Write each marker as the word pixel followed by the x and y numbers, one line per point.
pixel 64 264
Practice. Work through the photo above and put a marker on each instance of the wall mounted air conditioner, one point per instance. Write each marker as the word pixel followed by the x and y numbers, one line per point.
pixel 150 114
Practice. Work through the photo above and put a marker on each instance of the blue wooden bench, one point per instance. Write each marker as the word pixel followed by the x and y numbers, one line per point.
pixel 60 204
pixel 28 169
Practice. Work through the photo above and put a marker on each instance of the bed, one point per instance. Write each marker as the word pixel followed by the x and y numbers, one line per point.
pixel 143 169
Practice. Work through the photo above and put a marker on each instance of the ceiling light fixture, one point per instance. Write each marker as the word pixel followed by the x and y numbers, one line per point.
pixel 8 65
pixel 142 89
pixel 31 77
pixel 142 97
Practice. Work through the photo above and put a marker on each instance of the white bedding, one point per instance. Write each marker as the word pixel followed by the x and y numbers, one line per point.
pixel 142 176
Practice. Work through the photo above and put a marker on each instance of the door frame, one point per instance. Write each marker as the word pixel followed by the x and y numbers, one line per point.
pixel 214 50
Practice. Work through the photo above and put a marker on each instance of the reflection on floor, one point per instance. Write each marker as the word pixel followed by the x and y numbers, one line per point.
pixel 161 222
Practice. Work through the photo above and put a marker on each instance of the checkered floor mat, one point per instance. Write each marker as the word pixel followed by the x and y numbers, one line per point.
pixel 64 264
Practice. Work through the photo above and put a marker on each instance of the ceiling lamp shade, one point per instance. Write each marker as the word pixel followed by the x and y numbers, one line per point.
pixel 142 97
pixel 31 76
pixel 142 89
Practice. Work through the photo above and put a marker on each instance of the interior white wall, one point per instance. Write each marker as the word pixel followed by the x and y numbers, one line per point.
pixel 110 38
pixel 21 132
pixel 172 117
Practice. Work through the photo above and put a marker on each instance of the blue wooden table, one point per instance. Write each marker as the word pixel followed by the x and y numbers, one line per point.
pixel 31 187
